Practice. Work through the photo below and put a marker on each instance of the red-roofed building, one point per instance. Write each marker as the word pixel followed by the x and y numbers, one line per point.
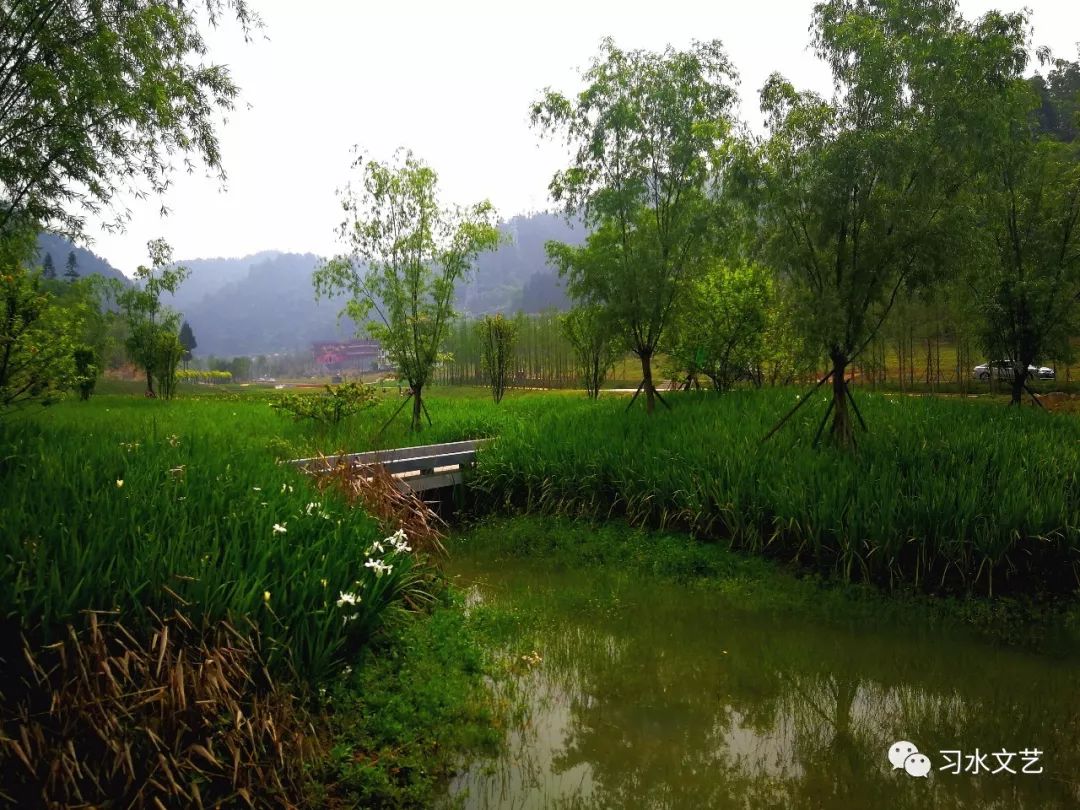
pixel 338 355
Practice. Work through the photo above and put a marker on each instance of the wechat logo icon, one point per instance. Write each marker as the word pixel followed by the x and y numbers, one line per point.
pixel 903 755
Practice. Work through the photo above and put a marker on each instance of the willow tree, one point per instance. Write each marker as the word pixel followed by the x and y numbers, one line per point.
pixel 100 96
pixel 858 190
pixel 404 255
pixel 1026 209
pixel 647 136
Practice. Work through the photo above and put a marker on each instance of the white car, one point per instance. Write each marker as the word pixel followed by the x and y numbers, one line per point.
pixel 1003 370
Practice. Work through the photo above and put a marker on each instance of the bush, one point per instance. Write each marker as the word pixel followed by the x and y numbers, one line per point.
pixel 329 408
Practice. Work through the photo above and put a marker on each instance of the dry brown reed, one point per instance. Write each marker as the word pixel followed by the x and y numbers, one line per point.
pixel 183 719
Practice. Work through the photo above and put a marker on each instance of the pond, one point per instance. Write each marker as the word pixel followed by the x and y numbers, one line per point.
pixel 645 694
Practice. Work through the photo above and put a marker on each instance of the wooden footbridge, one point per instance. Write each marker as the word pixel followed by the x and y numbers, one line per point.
pixel 431 466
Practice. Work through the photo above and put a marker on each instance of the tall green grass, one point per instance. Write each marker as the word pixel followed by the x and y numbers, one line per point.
pixel 132 506
pixel 942 495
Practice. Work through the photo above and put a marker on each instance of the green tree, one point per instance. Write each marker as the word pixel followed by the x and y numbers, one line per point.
pixel 187 340
pixel 721 325
pixel 857 191
pixel 596 346
pixel 37 340
pixel 405 253
pixel 648 134
pixel 72 265
pixel 1059 98
pixel 1026 276
pixel 86 371
pixel 98 96
pixel 498 339
pixel 48 269
pixel 152 342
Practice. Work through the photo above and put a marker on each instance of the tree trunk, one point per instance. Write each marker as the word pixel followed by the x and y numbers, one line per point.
pixel 840 432
pixel 149 384
pixel 648 387
pixel 1019 377
pixel 417 406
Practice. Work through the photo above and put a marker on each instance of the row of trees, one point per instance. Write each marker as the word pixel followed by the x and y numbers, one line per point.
pixel 934 167
pixel 930 164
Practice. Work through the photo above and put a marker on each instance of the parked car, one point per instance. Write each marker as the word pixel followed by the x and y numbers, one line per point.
pixel 1003 370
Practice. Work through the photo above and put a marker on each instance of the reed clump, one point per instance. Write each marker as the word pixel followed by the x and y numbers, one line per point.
pixel 182 718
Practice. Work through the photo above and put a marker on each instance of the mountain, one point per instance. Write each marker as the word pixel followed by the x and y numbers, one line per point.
pixel 517 275
pixel 265 303
pixel 86 262
pixel 209 276
pixel 260 304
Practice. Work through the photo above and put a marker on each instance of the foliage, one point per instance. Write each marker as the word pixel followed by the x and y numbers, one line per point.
pixel 36 341
pixel 195 375
pixel 202 519
pixel 498 337
pixel 405 254
pixel 542 357
pixel 152 342
pixel 1059 98
pixel 595 347
pixel 856 191
pixel 86 371
pixel 96 97
pixel 1027 213
pixel 649 134
pixel 72 265
pixel 721 330
pixel 187 340
pixel 398 720
pixel 337 403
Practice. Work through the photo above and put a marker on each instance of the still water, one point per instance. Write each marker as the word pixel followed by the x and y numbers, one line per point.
pixel 639 694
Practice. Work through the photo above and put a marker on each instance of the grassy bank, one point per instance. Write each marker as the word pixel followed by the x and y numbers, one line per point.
pixel 163 571
pixel 761 586
pixel 944 495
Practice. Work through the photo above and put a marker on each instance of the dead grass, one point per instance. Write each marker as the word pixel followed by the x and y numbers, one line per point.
pixel 382 496
pixel 180 720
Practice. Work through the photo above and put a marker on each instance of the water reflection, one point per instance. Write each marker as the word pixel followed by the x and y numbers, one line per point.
pixel 672 698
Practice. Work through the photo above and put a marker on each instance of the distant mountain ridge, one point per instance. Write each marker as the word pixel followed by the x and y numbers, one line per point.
pixel 87 262
pixel 265 302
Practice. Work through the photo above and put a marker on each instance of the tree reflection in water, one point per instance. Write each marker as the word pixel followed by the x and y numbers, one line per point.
pixel 672 698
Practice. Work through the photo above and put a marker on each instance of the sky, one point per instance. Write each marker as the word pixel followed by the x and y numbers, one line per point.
pixel 452 82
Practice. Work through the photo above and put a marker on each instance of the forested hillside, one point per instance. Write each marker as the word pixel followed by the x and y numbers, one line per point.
pixel 265 302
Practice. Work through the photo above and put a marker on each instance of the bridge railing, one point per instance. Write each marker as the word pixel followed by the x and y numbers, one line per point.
pixel 421 468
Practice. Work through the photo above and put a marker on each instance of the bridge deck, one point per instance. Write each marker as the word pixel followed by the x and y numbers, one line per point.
pixel 420 468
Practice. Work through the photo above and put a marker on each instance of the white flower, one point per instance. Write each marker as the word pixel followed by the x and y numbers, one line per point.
pixel 279 528
pixel 378 566
pixel 311 507
pixel 119 482
pixel 376 546
pixel 257 489
pixel 286 487
pixel 346 598
pixel 398 541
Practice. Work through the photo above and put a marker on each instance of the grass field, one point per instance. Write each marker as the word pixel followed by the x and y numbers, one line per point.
pixel 144 510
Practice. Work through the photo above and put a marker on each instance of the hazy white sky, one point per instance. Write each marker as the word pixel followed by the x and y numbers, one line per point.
pixel 453 82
